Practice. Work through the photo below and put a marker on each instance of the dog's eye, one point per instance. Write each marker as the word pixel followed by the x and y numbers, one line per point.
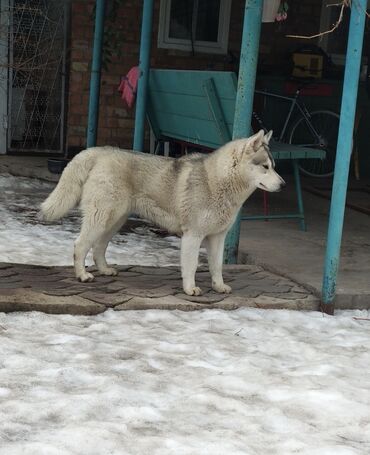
pixel 265 166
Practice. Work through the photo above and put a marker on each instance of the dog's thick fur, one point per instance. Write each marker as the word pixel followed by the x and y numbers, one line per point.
pixel 196 197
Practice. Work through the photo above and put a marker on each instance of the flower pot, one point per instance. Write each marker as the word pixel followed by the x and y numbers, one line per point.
pixel 57 165
pixel 270 9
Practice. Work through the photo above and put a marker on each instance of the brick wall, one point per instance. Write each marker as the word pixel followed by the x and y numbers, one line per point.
pixel 79 68
pixel 116 123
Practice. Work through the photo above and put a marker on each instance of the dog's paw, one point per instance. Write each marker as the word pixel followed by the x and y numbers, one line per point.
pixel 109 271
pixel 86 277
pixel 193 291
pixel 221 288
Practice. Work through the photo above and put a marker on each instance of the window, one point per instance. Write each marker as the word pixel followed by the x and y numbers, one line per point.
pixel 335 43
pixel 194 25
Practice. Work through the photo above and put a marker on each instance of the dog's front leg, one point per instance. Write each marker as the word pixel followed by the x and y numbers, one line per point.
pixel 215 249
pixel 190 245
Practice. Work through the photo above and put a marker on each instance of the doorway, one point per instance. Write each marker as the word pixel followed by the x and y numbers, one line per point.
pixel 32 75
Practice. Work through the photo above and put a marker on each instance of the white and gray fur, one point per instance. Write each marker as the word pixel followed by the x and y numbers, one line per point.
pixel 196 197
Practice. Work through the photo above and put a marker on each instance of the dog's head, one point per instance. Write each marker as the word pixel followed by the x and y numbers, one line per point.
pixel 258 163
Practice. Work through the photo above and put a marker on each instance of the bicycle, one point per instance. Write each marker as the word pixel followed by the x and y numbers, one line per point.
pixel 317 129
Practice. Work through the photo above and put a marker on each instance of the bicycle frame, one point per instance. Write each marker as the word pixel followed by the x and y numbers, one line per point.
pixel 294 102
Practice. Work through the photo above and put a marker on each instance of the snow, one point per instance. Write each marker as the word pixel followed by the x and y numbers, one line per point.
pixel 25 240
pixel 249 382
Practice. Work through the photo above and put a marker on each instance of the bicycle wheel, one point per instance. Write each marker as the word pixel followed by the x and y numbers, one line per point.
pixel 320 132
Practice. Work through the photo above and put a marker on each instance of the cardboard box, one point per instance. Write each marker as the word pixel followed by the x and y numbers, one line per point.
pixel 307 65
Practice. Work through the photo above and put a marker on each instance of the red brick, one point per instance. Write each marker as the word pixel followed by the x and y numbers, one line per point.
pixel 75 141
pixel 75 98
pixel 76 119
pixel 78 109
pixel 75 77
pixel 112 122
pixel 105 132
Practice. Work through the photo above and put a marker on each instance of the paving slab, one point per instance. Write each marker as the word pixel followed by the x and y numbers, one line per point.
pixel 28 300
pixel 53 290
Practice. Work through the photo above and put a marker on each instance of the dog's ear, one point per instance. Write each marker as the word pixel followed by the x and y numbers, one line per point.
pixel 256 140
pixel 268 137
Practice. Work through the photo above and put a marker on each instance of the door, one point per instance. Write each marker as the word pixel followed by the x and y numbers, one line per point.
pixel 4 40
pixel 36 75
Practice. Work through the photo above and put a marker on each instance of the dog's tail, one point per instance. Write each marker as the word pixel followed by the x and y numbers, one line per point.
pixel 67 193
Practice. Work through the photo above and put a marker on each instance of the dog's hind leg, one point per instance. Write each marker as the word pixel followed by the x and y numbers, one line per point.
pixel 100 248
pixel 97 229
pixel 215 249
pixel 83 245
pixel 190 244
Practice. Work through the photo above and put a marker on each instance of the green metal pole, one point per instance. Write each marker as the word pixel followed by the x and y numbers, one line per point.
pixel 144 66
pixel 344 149
pixel 244 100
pixel 93 116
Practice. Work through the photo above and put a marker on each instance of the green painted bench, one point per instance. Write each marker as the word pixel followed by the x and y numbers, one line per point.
pixel 197 108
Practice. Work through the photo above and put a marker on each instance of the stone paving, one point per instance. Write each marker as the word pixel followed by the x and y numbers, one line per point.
pixel 55 290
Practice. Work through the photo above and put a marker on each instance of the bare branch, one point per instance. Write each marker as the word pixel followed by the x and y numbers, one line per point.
pixel 343 4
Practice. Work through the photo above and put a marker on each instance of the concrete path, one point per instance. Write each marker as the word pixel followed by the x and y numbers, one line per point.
pixel 280 246
pixel 55 290
pixel 27 166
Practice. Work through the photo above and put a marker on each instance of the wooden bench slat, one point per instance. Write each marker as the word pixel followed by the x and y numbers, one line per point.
pixel 296 155
pixel 203 132
pixel 281 151
pixel 216 110
pixel 187 82
pixel 189 106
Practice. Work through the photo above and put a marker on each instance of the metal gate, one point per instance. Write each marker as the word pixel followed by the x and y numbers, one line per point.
pixel 36 75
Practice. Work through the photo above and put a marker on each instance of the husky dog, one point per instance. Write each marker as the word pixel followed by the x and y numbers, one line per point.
pixel 196 196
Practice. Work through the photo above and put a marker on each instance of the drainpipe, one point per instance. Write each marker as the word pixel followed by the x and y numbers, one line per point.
pixel 144 66
pixel 343 157
pixel 244 100
pixel 93 116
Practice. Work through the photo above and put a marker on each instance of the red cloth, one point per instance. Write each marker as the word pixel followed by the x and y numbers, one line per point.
pixel 128 86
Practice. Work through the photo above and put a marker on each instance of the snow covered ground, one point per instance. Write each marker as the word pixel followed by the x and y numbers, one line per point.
pixel 247 382
pixel 203 383
pixel 23 239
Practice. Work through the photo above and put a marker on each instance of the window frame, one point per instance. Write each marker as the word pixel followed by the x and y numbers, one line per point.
pixel 323 41
pixel 219 47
